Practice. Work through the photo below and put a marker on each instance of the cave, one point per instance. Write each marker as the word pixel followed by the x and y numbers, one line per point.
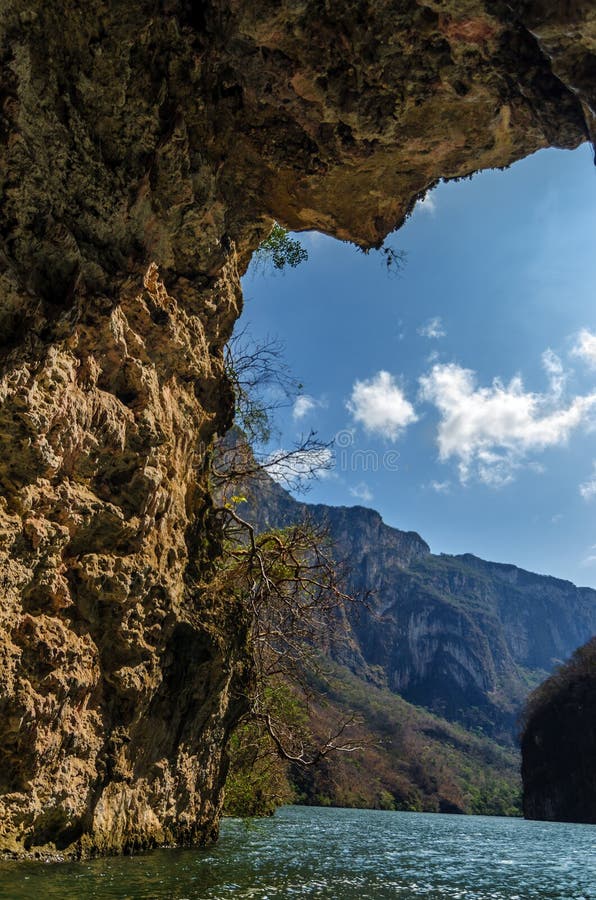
pixel 146 149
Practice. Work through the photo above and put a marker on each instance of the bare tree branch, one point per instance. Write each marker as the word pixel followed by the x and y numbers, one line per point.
pixel 287 579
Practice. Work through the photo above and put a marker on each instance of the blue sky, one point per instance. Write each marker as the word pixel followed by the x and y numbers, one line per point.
pixel 462 393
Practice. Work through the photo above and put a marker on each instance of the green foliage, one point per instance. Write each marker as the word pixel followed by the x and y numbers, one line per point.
pixel 280 250
pixel 410 760
pixel 386 800
pixel 257 781
pixel 495 796
pixel 555 690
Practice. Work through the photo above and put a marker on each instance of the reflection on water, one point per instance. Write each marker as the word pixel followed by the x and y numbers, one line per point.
pixel 332 853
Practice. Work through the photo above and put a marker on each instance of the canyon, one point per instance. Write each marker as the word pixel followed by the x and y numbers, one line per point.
pixel 465 638
pixel 559 741
pixel 145 149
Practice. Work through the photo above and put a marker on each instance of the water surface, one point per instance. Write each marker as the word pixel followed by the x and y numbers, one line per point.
pixel 339 854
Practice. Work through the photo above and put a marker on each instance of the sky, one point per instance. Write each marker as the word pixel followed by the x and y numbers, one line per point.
pixel 459 394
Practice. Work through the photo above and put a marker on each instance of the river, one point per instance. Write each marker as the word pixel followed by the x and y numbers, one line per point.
pixel 341 855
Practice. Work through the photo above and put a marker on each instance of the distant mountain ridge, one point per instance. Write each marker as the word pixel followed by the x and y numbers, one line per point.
pixel 465 638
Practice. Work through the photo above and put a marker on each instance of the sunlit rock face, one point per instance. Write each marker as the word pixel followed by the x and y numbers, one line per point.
pixel 461 636
pixel 559 744
pixel 119 686
pixel 144 149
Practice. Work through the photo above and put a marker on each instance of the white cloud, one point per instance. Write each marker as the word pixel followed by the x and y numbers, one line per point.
pixel 440 487
pixel 588 488
pixel 428 204
pixel 432 329
pixel 303 405
pixel 557 376
pixel 536 467
pixel 558 517
pixel 289 467
pixel 380 405
pixel 491 431
pixel 585 347
pixel 362 492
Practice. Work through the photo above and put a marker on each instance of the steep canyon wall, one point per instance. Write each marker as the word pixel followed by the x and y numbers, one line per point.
pixel 145 148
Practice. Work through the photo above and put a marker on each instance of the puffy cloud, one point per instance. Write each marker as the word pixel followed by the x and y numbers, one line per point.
pixel 303 405
pixel 380 405
pixel 585 347
pixel 588 488
pixel 491 430
pixel 362 492
pixel 432 329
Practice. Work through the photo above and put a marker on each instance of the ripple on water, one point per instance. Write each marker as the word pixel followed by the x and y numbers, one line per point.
pixel 339 855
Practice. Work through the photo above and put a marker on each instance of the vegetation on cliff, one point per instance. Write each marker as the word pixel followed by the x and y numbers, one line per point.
pixel 409 759
pixel 466 638
pixel 145 150
pixel 456 635
pixel 279 250
pixel 406 759
pixel 559 743
pixel 258 778
pixel 290 587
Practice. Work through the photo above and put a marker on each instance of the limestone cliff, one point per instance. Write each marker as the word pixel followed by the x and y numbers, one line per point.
pixel 463 637
pixel 559 743
pixel 144 148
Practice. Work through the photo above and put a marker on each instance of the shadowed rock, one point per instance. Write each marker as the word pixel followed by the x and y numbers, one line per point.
pixel 559 743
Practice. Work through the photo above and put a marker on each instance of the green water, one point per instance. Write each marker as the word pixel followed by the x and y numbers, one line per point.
pixel 332 853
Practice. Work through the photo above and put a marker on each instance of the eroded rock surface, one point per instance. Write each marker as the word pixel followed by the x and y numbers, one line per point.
pixel 144 149
pixel 118 686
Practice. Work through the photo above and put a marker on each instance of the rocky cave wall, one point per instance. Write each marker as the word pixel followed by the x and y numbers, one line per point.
pixel 145 148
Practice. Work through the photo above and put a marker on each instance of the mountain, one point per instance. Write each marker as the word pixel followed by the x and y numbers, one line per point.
pixel 409 758
pixel 465 638
pixel 559 743
pixel 145 150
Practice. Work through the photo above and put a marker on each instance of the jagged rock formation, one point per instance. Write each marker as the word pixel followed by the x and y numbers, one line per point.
pixel 111 666
pixel 144 148
pixel 463 637
pixel 559 743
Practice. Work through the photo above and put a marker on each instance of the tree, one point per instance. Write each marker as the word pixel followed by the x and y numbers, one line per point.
pixel 290 585
pixel 393 260
pixel 286 580
pixel 279 250
pixel 261 381
pixel 257 781
pixel 262 384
